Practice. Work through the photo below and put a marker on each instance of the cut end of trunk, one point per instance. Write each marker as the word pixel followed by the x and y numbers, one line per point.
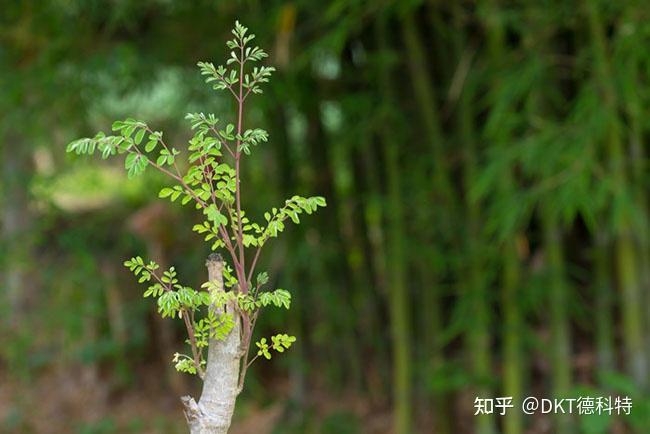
pixel 199 421
pixel 213 258
pixel 213 413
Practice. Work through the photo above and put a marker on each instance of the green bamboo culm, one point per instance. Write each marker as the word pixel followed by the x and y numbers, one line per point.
pixel 478 338
pixel 559 316
pixel 603 282
pixel 512 353
pixel 443 194
pixel 629 61
pixel 625 248
pixel 399 300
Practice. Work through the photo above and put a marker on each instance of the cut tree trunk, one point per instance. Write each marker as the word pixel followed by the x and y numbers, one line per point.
pixel 213 413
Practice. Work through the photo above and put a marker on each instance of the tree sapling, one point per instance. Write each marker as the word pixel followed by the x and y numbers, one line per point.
pixel 219 317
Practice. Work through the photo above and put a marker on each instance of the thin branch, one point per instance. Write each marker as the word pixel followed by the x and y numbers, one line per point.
pixel 167 172
pixel 252 360
pixel 233 225
pixel 240 116
pixel 249 89
pixel 201 203
pixel 149 161
pixel 166 286
pixel 223 142
pixel 257 255
pixel 229 246
pixel 195 352
pixel 213 196
pixel 167 148
pixel 192 322
pixel 246 347
pixel 223 79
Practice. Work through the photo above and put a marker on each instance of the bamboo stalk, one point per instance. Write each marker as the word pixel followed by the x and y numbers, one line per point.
pixel 399 300
pixel 637 157
pixel 478 339
pixel 426 100
pixel 559 322
pixel 375 217
pixel 604 303
pixel 513 359
pixel 552 235
pixel 625 249
pixel 443 195
pixel 340 159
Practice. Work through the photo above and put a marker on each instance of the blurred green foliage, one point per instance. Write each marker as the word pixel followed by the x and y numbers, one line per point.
pixel 485 165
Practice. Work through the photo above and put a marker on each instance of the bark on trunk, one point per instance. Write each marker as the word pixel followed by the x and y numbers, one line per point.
pixel 213 413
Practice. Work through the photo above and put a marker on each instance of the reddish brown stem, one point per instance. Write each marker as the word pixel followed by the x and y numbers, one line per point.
pixel 223 142
pixel 195 352
pixel 188 325
pixel 241 272
pixel 246 349
pixel 253 264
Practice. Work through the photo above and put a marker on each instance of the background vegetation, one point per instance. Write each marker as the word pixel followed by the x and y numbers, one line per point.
pixel 486 235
